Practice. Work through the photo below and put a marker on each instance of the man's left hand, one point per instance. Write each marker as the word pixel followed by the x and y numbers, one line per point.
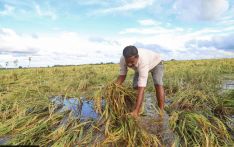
pixel 134 114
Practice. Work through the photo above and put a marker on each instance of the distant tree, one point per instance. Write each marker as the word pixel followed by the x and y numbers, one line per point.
pixel 7 63
pixel 110 63
pixel 16 62
pixel 20 67
pixel 29 61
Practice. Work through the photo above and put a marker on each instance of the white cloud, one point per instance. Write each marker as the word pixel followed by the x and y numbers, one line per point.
pixel 219 42
pixel 93 2
pixel 173 37
pixel 10 41
pixel 200 9
pixel 104 40
pixel 46 12
pixel 126 5
pixel 175 41
pixel 229 21
pixel 55 48
pixel 73 48
pixel 200 53
pixel 155 30
pixel 148 22
pixel 8 9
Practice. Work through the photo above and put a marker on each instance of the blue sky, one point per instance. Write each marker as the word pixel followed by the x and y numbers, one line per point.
pixel 93 31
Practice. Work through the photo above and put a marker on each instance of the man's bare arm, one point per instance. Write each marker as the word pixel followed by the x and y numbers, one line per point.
pixel 140 97
pixel 121 79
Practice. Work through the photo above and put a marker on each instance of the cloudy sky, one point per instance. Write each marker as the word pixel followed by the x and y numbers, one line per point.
pixel 93 31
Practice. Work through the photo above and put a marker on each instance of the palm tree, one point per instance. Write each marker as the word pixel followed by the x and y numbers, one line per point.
pixel 16 62
pixel 7 63
pixel 29 60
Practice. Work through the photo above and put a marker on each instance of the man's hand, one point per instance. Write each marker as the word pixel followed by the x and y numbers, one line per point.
pixel 134 114
pixel 140 96
pixel 120 79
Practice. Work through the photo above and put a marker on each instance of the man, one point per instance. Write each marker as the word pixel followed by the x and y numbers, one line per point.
pixel 143 62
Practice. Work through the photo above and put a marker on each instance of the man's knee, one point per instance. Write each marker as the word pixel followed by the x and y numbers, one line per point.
pixel 158 85
pixel 135 87
pixel 158 81
pixel 159 88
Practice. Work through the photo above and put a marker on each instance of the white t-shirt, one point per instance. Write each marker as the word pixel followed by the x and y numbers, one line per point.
pixel 147 60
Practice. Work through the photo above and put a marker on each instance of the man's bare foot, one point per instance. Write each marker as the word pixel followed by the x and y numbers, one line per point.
pixel 161 112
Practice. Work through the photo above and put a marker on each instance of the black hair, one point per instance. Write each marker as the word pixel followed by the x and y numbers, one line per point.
pixel 130 51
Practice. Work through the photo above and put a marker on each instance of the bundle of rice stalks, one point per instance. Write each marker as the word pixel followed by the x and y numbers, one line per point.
pixel 194 129
pixel 121 129
pixel 119 100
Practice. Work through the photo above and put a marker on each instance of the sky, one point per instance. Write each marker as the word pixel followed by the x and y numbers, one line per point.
pixel 73 32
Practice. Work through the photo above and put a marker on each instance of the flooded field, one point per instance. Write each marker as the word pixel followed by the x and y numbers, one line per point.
pixel 228 84
pixel 154 123
pixel 81 106
pixel 150 120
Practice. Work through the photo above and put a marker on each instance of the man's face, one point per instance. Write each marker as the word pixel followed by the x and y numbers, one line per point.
pixel 131 61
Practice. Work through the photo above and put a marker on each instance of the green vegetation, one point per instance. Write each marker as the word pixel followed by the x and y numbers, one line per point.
pixel 201 112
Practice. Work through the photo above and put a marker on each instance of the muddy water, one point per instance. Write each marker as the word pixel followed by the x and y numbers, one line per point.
pixel 4 140
pixel 154 123
pixel 228 84
pixel 81 109
pixel 150 120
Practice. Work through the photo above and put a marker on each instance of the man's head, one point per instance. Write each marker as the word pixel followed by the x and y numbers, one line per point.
pixel 130 54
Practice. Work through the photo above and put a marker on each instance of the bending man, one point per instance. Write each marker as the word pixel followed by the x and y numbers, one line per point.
pixel 143 62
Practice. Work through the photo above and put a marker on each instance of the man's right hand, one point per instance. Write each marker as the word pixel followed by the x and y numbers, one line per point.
pixel 121 79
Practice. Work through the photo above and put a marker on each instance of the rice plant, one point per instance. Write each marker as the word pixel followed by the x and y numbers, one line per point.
pixel 201 112
pixel 120 127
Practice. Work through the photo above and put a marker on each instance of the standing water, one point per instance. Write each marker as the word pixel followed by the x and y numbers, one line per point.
pixel 82 108
pixel 150 120
pixel 228 84
pixel 154 123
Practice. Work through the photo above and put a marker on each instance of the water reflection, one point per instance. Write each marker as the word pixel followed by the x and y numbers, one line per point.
pixel 155 123
pixel 82 108
pixel 228 84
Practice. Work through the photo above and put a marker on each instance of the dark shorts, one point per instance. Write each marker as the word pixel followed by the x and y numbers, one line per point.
pixel 156 72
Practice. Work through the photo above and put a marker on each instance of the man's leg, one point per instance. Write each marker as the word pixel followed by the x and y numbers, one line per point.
pixel 157 74
pixel 135 81
pixel 160 96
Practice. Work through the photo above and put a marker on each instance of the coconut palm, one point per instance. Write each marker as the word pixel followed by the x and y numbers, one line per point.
pixel 29 60
pixel 7 63
pixel 16 62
